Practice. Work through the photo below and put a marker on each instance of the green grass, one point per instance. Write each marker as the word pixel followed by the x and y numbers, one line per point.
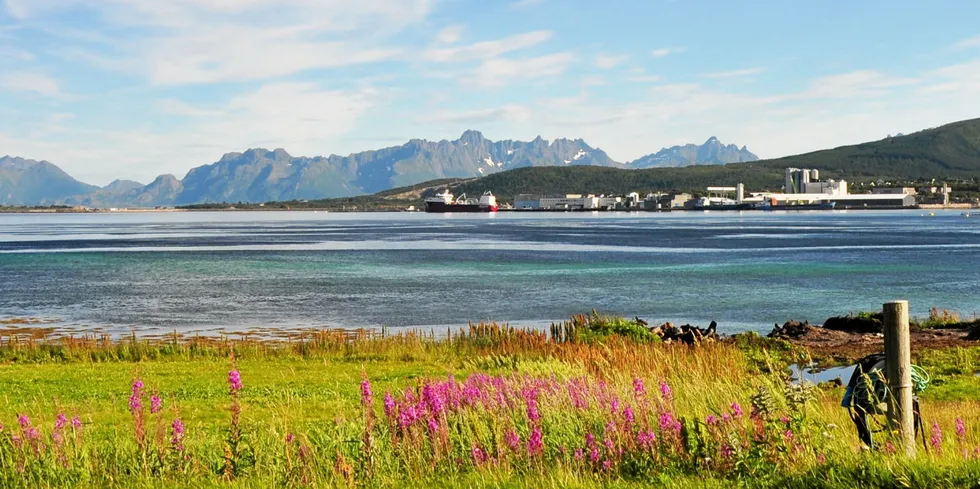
pixel 311 389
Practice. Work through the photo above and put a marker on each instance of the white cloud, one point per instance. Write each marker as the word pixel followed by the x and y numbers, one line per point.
pixel 205 41
pixel 15 54
pixel 209 57
pixel 450 35
pixel 487 49
pixel 607 61
pixel 304 118
pixel 526 3
pixel 828 111
pixel 735 73
pixel 862 83
pixel 968 43
pixel 31 82
pixel 510 112
pixel 661 52
pixel 500 71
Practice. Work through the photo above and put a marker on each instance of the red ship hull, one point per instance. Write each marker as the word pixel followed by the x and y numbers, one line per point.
pixel 443 208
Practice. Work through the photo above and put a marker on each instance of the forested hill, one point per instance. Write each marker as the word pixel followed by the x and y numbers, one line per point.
pixel 950 151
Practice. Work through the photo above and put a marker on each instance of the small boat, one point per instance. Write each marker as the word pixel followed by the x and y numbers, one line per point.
pixel 443 202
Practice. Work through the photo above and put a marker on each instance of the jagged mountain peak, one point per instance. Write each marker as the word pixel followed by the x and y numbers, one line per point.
pixel 712 152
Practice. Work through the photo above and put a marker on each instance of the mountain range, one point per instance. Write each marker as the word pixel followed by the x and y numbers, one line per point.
pixel 260 175
pixel 712 152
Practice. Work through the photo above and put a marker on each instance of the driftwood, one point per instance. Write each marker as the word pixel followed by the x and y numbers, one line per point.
pixel 790 330
pixel 974 334
pixel 687 334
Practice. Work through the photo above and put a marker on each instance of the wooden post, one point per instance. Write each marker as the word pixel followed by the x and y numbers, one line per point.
pixel 898 372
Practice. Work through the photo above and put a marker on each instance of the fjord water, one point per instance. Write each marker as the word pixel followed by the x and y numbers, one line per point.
pixel 158 272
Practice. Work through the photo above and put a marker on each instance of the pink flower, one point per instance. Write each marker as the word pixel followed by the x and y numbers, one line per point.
pixel 136 399
pixel 177 435
pixel 478 455
pixel 665 391
pixel 646 439
pixel 727 451
pixel 725 417
pixel 960 428
pixel 290 437
pixel 24 421
pixel 736 410
pixel 513 440
pixel 579 454
pixel 639 390
pixel 76 422
pixel 389 403
pixel 821 459
pixel 788 435
pixel 407 416
pixel 533 414
pixel 60 422
pixel 937 437
pixel 784 419
pixel 711 420
pixel 535 443
pixel 433 399
pixel 367 397
pixel 235 380
pixel 607 465
pixel 156 404
pixel 629 417
pixel 433 425
pixel 668 423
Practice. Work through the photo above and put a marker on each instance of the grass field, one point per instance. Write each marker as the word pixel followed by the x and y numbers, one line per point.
pixel 491 407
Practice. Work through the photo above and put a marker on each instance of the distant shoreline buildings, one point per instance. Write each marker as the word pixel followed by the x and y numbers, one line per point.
pixel 802 188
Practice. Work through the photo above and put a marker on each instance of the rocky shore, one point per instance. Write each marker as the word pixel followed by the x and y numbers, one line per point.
pixel 844 339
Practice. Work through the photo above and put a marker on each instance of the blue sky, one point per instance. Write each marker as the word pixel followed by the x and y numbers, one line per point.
pixel 135 88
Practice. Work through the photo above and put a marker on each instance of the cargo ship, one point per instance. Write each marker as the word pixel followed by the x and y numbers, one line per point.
pixel 443 202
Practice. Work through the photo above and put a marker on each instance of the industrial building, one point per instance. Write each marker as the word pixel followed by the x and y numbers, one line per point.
pixel 803 187
pixel 566 202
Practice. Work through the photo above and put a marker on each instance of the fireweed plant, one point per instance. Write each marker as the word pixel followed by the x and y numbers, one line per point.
pixel 509 409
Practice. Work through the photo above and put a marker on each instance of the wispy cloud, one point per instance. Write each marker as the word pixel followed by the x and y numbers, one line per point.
pixel 735 73
pixel 607 61
pixel 487 49
pixel 661 52
pixel 969 42
pixel 31 82
pixel 210 41
pixel 510 112
pixel 861 83
pixel 450 34
pixel 498 72
pixel 526 3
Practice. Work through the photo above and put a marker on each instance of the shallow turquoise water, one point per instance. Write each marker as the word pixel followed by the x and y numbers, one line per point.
pixel 157 272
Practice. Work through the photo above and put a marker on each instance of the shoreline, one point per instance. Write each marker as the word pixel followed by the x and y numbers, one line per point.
pixel 827 347
pixel 325 210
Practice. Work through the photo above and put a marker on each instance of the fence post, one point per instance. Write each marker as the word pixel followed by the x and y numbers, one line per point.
pixel 898 372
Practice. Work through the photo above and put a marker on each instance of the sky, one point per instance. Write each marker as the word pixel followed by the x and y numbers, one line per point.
pixel 133 89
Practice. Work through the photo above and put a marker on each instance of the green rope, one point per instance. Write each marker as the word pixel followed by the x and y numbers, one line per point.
pixel 920 379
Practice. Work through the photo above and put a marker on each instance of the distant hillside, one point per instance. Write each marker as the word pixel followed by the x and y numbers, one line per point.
pixel 950 151
pixel 507 167
pixel 712 152
pixel 25 181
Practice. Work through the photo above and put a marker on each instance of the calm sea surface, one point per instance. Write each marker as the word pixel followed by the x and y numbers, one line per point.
pixel 158 272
